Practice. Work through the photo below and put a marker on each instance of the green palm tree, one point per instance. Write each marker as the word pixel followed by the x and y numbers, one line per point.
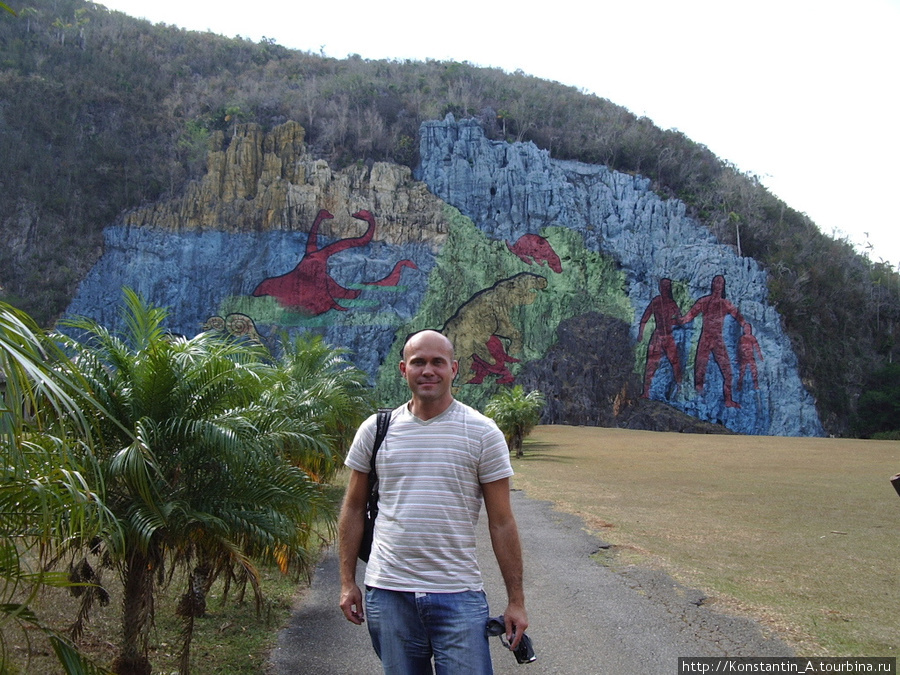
pixel 321 385
pixel 189 455
pixel 44 498
pixel 516 413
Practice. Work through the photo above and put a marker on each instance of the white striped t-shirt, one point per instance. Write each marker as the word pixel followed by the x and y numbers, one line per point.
pixel 430 475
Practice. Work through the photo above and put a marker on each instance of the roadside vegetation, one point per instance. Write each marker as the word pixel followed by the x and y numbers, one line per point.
pixel 139 461
pixel 516 414
pixel 234 637
pixel 103 113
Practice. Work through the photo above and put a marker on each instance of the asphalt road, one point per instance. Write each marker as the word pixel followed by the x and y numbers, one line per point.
pixel 585 619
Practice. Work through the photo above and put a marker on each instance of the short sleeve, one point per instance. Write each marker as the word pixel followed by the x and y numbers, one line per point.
pixel 495 463
pixel 359 457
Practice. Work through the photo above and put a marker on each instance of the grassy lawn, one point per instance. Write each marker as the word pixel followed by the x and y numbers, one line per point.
pixel 804 534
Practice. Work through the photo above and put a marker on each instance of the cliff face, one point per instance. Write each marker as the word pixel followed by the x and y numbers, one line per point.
pixel 734 362
pixel 557 275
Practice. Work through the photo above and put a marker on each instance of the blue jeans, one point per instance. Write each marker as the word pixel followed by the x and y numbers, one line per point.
pixel 408 629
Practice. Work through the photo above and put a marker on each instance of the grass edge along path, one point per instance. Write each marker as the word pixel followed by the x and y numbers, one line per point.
pixel 803 534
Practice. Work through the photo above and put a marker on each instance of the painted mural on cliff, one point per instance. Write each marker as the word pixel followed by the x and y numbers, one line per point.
pixel 499 301
pixel 488 327
pixel 508 245
pixel 711 334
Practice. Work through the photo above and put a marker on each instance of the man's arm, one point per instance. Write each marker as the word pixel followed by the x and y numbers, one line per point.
pixel 735 312
pixel 350 533
pixel 699 306
pixel 508 550
pixel 645 317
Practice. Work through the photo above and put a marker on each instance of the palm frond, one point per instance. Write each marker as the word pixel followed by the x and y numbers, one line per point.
pixel 144 323
pixel 72 661
pixel 207 448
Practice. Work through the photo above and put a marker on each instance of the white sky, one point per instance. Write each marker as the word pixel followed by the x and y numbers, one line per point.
pixel 803 93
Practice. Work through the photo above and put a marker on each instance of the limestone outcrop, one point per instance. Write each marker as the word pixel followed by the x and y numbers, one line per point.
pixel 561 276
pixel 511 190
pixel 263 182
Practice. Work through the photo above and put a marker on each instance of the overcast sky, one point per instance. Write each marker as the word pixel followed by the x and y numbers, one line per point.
pixel 802 93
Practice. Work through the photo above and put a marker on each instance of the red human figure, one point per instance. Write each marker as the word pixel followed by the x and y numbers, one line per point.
pixel 748 347
pixel 667 315
pixel 484 368
pixel 714 308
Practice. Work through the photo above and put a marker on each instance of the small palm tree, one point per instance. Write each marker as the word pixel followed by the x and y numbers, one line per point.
pixel 44 498
pixel 189 457
pixel 516 413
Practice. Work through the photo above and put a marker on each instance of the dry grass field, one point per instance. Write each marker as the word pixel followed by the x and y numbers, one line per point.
pixel 803 534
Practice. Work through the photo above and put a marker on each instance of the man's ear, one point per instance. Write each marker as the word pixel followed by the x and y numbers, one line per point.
pixel 455 368
pixel 403 368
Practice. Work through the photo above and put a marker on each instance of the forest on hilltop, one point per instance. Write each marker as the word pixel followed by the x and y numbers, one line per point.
pixel 100 113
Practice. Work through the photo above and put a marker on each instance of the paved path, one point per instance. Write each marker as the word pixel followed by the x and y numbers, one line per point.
pixel 585 619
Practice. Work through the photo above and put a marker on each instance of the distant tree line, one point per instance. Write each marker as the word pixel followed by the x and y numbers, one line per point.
pixel 102 112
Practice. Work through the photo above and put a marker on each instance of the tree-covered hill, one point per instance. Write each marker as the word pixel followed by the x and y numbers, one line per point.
pixel 100 112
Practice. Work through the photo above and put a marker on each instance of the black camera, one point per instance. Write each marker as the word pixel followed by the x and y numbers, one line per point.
pixel 524 653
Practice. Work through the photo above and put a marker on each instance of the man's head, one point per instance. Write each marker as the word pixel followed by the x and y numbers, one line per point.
pixel 665 287
pixel 429 366
pixel 718 286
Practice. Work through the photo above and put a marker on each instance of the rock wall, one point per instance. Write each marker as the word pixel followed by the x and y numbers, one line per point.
pixel 545 273
pixel 512 190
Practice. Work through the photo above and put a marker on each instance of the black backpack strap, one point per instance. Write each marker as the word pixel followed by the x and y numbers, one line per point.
pixel 381 428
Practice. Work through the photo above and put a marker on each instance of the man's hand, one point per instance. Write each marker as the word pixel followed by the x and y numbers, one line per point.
pixel 350 531
pixel 352 604
pixel 516 622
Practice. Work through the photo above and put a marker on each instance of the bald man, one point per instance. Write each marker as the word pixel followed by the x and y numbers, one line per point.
pixel 424 599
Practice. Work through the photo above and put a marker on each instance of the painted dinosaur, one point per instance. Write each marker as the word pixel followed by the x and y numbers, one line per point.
pixel 309 288
pixel 483 325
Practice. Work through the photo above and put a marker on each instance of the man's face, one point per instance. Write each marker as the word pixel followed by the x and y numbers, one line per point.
pixel 718 286
pixel 428 366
